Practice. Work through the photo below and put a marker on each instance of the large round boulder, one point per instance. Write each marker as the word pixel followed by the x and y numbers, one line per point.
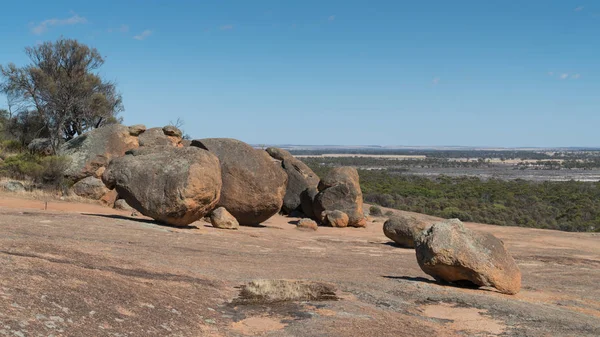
pixel 176 186
pixel 41 146
pixel 253 186
pixel 450 252
pixel 340 190
pixel 403 230
pixel 94 149
pixel 300 178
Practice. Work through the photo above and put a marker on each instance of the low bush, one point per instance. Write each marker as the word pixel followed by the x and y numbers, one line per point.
pixel 375 211
pixel 41 170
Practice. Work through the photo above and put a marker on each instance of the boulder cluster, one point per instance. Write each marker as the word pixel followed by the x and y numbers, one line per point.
pixel 177 182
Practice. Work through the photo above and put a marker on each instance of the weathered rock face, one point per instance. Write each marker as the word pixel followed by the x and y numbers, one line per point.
pixel 91 188
pixel 172 131
pixel 96 148
pixel 253 187
pixel 300 178
pixel 335 219
pixel 340 190
pixel 158 137
pixel 136 130
pixel 450 252
pixel 307 224
pixel 220 218
pixel 41 146
pixel 307 199
pixel 176 186
pixel 13 186
pixel 122 205
pixel 403 230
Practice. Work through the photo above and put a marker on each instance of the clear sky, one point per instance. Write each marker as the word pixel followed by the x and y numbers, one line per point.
pixel 481 73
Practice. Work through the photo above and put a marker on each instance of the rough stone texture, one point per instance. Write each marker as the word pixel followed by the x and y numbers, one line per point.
pixel 335 219
pixel 307 199
pixel 91 188
pixel 172 131
pixel 41 146
pixel 13 186
pixel 253 187
pixel 109 198
pixel 157 137
pixel 136 130
pixel 403 230
pixel 176 186
pixel 186 142
pixel 307 224
pixel 300 178
pixel 220 218
pixel 340 190
pixel 96 148
pixel 122 205
pixel 450 252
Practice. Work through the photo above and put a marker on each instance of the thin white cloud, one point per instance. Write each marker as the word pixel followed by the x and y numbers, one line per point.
pixel 143 35
pixel 435 81
pixel 121 29
pixel 575 76
pixel 226 27
pixel 578 9
pixel 331 18
pixel 43 26
pixel 550 73
pixel 564 76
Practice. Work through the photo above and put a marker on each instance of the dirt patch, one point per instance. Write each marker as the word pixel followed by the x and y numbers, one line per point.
pixel 464 319
pixel 257 325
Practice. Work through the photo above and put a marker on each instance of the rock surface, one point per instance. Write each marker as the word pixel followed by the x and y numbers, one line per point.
pixel 220 218
pixel 41 146
pixel 307 224
pixel 136 130
pixel 403 230
pixel 91 188
pixel 300 178
pixel 96 148
pixel 253 187
pixel 340 190
pixel 336 219
pixel 307 199
pixel 158 137
pixel 13 186
pixel 450 252
pixel 176 186
pixel 122 205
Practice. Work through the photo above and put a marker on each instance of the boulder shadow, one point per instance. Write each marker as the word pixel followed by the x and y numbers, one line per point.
pixel 395 245
pixel 412 279
pixel 464 284
pixel 144 221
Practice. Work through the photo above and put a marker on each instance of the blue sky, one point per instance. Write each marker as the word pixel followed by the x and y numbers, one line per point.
pixel 481 73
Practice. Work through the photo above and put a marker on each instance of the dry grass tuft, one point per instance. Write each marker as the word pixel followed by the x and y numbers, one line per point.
pixel 272 291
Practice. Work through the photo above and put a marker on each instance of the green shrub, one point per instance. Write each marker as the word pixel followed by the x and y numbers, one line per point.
pixel 12 146
pixel 455 213
pixel 375 211
pixel 389 213
pixel 44 170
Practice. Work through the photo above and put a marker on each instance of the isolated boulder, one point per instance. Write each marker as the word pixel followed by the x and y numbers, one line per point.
pixel 13 186
pixel 91 188
pixel 253 187
pixel 158 137
pixel 172 131
pixel 307 224
pixel 340 190
pixel 403 230
pixel 220 218
pixel 121 204
pixel 176 186
pixel 95 149
pixel 300 178
pixel 41 146
pixel 336 219
pixel 450 252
